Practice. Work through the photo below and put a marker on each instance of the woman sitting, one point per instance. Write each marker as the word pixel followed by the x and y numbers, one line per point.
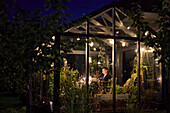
pixel 105 75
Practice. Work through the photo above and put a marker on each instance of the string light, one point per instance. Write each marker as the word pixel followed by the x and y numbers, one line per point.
pixel 146 33
pixel 98 63
pixel 78 39
pixel 143 49
pixel 123 44
pixel 128 27
pixel 43 44
pixel 111 41
pixel 94 49
pixel 91 44
pixel 53 37
pixel 150 49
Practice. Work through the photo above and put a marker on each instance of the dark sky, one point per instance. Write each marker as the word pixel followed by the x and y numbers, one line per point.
pixel 80 7
pixel 76 7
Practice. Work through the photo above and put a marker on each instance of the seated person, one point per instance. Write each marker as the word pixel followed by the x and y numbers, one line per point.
pixel 105 76
pixel 104 80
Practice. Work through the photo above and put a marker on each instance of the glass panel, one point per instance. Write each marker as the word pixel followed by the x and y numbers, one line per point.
pixel 150 69
pixel 76 58
pixel 101 73
pixel 126 74
pixel 100 56
pixel 125 60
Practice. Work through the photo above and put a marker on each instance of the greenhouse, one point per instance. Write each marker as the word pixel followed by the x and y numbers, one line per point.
pixel 112 60
pixel 108 40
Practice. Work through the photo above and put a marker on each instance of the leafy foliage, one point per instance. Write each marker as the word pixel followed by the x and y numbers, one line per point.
pixel 26 41
pixel 159 40
pixel 27 45
pixel 73 94
pixel 14 110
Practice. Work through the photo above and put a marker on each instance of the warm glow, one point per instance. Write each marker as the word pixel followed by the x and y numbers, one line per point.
pixel 94 49
pixel 128 27
pixel 153 36
pixel 81 81
pixel 91 44
pixel 117 32
pixel 146 33
pixel 49 46
pixel 123 44
pixel 111 41
pixel 53 37
pixel 51 43
pixel 84 78
pixel 159 79
pixel 150 49
pixel 52 65
pixel 40 52
pixel 37 49
pixel 156 59
pixel 33 59
pixel 90 79
pixel 90 60
pixel 143 49
pixel 98 63
pixel 78 38
pixel 43 44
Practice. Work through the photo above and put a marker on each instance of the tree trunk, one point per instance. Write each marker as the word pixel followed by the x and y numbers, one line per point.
pixel 56 101
pixel 29 91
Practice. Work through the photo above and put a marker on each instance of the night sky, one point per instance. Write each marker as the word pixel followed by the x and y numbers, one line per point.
pixel 76 7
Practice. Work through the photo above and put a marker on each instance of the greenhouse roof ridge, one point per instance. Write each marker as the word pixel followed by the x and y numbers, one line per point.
pixel 78 25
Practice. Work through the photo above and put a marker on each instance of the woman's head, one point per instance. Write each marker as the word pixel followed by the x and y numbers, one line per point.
pixel 104 70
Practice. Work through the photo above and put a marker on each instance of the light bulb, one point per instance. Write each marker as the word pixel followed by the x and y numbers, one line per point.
pixel 111 41
pixel 91 44
pixel 143 49
pixel 123 44
pixel 94 49
pixel 78 38
pixel 53 37
pixel 128 27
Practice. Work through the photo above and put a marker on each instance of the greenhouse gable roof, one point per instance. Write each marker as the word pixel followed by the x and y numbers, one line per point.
pixel 101 21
